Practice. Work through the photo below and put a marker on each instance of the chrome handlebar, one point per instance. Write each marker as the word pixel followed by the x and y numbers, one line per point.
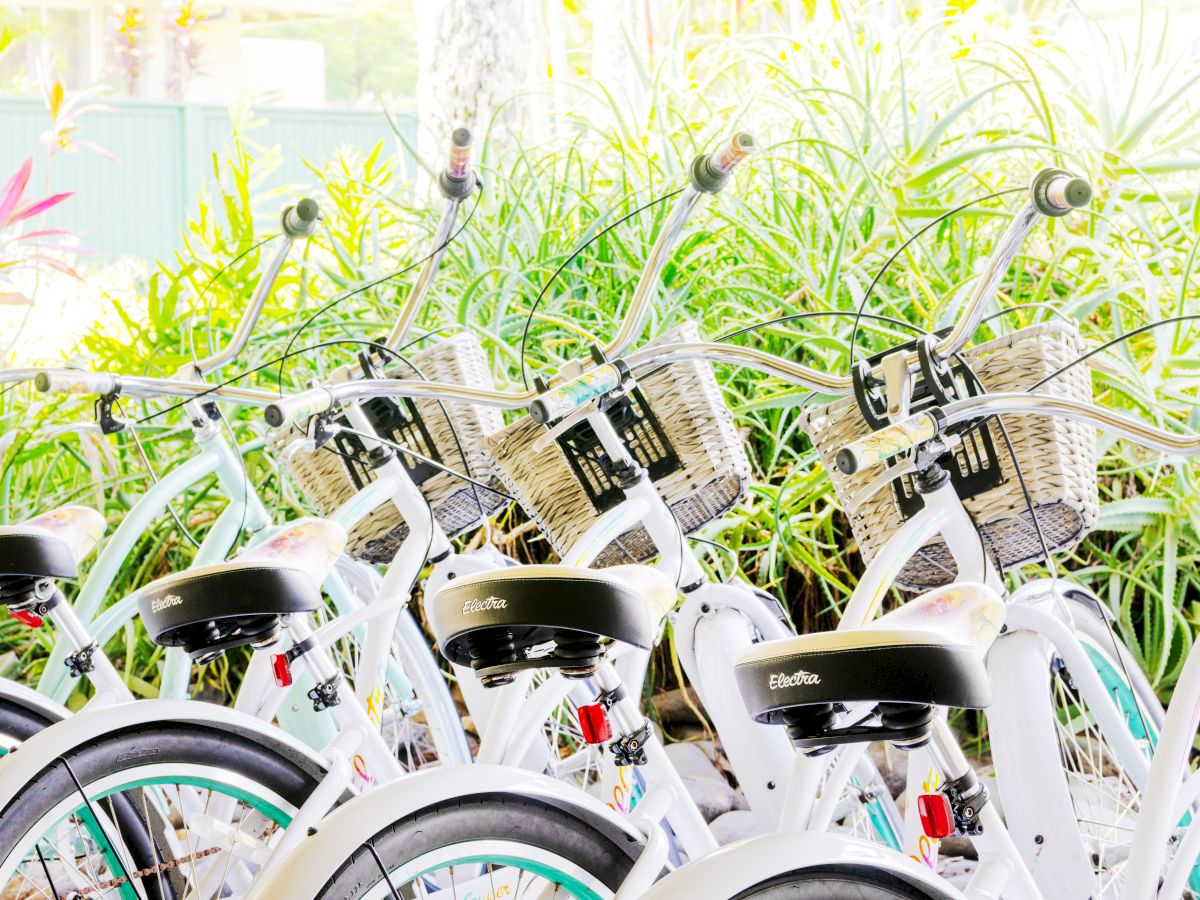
pixel 65 381
pixel 456 183
pixel 708 175
pixel 924 426
pixel 297 222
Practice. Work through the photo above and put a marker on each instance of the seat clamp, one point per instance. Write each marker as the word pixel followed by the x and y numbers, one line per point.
pixel 630 749
pixel 80 662
pixel 968 796
pixel 298 650
pixel 325 695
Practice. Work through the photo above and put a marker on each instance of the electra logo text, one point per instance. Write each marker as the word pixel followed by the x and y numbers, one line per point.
pixel 166 601
pixel 475 606
pixel 783 680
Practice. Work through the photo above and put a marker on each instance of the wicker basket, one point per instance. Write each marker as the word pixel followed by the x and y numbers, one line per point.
pixel 687 442
pixel 1057 459
pixel 329 479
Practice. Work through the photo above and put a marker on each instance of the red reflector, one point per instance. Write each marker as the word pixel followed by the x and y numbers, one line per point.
pixel 937 821
pixel 281 669
pixel 593 722
pixel 25 617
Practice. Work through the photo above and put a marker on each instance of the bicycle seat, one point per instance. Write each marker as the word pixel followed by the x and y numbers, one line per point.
pixel 927 653
pixel 547 617
pixel 50 545
pixel 210 609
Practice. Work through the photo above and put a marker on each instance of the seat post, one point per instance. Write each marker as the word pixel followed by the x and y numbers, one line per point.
pixel 86 657
pixel 629 726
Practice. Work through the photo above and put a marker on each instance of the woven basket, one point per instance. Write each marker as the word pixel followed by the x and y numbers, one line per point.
pixel 1057 459
pixel 711 475
pixel 329 479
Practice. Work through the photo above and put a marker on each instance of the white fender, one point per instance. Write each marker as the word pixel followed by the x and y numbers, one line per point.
pixel 309 865
pixel 28 760
pixel 20 695
pixel 740 866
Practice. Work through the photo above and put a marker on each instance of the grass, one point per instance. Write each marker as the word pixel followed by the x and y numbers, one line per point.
pixel 870 130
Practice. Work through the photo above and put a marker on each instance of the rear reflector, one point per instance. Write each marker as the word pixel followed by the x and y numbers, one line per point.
pixel 593 723
pixel 25 617
pixel 281 669
pixel 937 819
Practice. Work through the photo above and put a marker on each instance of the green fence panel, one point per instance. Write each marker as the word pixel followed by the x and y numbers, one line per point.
pixel 138 207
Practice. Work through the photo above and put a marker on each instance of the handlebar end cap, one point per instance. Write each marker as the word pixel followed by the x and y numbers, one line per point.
pixel 461 137
pixel 41 381
pixel 1078 192
pixel 538 412
pixel 307 209
pixel 274 415
pixel 846 462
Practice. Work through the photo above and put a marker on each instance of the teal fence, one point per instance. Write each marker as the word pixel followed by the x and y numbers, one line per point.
pixel 139 207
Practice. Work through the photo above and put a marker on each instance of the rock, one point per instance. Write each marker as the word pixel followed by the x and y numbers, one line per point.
pixel 958 847
pixel 690 759
pixel 892 765
pixel 712 796
pixel 673 709
pixel 734 825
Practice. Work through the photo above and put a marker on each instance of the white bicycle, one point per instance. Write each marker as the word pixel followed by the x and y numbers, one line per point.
pixel 1037 639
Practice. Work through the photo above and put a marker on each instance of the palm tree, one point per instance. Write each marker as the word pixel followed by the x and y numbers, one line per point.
pixel 473 58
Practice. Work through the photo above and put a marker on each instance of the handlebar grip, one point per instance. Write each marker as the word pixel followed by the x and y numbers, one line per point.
pixel 1055 192
pixel 885 443
pixel 563 400
pixel 456 181
pixel 710 171
pixel 286 410
pixel 74 383
pixel 300 220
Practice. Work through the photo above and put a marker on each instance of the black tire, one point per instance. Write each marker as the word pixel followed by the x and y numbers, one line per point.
pixel 190 744
pixel 837 883
pixel 20 722
pixel 607 857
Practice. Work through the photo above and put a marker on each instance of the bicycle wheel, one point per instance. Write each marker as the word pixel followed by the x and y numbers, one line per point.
pixel 835 883
pixel 423 725
pixel 498 846
pixel 186 810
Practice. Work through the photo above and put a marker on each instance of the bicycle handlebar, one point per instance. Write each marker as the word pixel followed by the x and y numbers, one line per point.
pixel 1054 193
pixel 456 182
pixel 297 222
pixel 708 174
pixel 560 401
pixel 283 411
pixel 300 220
pixel 566 398
pixel 66 381
pixel 924 426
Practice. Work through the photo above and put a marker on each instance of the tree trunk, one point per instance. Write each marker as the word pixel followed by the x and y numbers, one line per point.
pixel 472 56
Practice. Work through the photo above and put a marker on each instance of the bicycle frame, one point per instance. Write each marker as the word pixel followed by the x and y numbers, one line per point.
pixel 216 457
